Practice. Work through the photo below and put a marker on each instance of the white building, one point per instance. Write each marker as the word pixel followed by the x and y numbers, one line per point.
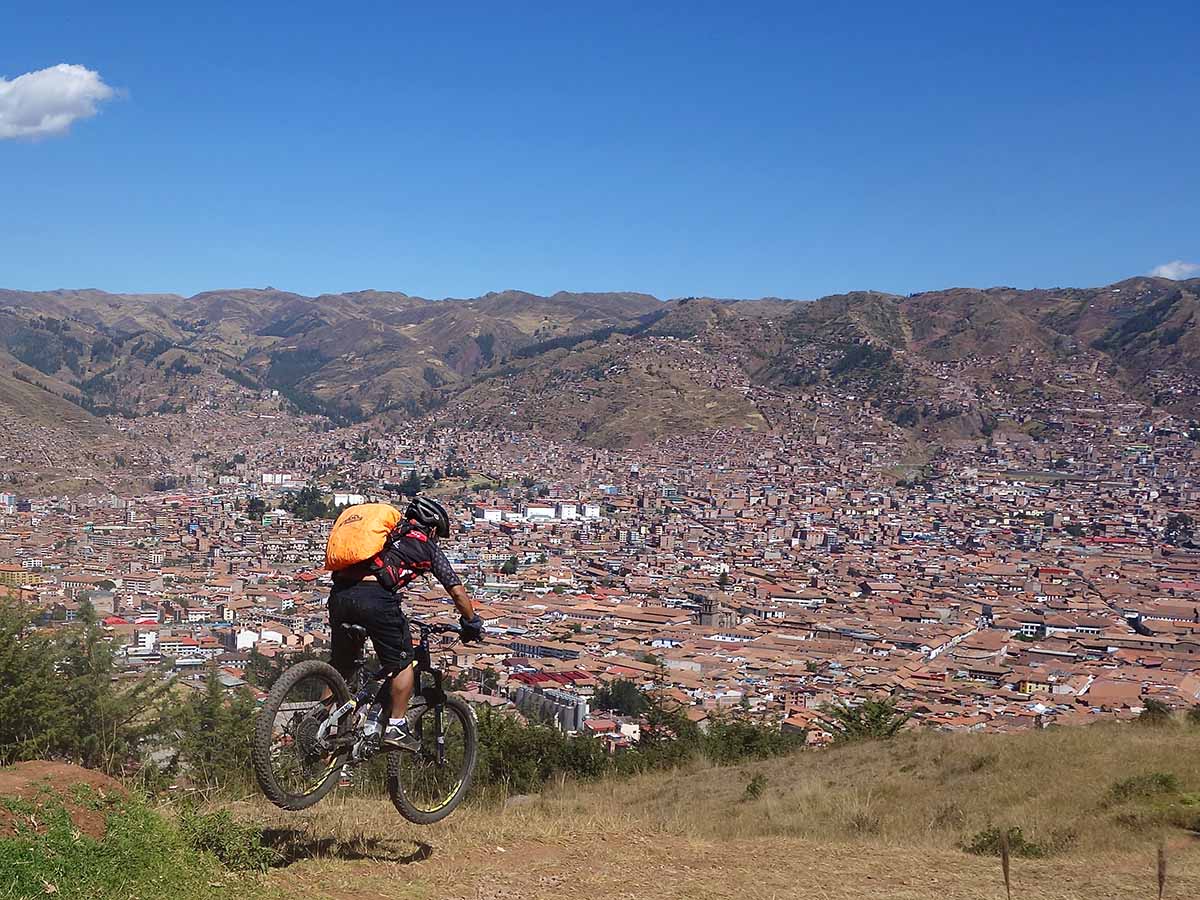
pixel 246 639
pixel 147 639
pixel 487 513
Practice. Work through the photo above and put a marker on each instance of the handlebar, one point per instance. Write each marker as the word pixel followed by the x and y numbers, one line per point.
pixel 436 627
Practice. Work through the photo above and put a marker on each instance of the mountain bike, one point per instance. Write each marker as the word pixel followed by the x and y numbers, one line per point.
pixel 312 732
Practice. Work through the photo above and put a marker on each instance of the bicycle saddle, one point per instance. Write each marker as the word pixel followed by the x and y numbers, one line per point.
pixel 355 630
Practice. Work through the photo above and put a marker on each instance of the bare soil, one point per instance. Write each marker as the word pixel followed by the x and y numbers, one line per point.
pixel 39 784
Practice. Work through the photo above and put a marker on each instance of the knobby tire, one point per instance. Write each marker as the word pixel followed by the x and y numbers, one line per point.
pixel 264 731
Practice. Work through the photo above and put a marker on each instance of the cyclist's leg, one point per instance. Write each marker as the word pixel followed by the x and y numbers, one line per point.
pixel 392 639
pixel 400 692
pixel 344 647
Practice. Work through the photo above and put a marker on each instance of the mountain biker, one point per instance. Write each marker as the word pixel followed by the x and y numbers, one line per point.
pixel 366 594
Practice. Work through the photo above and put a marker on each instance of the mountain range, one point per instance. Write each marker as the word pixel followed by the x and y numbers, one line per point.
pixel 605 368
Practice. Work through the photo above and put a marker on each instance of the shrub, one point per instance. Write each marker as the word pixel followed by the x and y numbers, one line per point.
pixel 1155 713
pixel 141 855
pixel 522 758
pixel 988 843
pixel 1140 786
pixel 730 740
pixel 60 697
pixel 215 730
pixel 1178 813
pixel 755 787
pixel 237 846
pixel 869 720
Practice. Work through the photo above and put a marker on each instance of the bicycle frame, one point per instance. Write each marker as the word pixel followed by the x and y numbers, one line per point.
pixel 433 694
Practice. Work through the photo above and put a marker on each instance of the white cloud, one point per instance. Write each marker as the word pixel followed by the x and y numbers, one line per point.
pixel 1176 269
pixel 46 102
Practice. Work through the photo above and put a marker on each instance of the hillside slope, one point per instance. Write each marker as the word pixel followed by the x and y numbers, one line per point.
pixel 615 369
pixel 866 821
pixel 346 355
pixel 896 819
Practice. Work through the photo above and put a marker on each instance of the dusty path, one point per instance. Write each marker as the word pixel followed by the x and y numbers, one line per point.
pixel 465 863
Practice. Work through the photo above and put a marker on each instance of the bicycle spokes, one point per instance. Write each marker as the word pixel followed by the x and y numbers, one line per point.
pixel 303 742
pixel 431 776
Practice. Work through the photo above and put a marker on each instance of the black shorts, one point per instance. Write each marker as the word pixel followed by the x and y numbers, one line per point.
pixel 369 604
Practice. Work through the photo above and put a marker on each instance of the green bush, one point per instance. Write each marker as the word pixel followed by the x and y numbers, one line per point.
pixel 60 699
pixel 1155 714
pixel 1153 800
pixel 521 758
pixel 215 729
pixel 1143 786
pixel 755 787
pixel 237 846
pixel 141 855
pixel 870 720
pixel 988 843
pixel 730 741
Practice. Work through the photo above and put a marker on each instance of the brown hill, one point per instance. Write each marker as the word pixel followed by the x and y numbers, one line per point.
pixel 346 355
pixel 611 368
pixel 621 391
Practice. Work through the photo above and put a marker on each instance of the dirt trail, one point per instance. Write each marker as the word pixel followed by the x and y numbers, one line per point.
pixel 662 867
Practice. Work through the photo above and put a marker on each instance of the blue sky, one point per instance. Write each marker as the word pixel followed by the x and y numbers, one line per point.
pixel 681 149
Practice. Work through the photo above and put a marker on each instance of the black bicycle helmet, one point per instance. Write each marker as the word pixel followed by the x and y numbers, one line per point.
pixel 429 514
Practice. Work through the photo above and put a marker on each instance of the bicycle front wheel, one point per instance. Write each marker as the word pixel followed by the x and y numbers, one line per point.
pixel 428 784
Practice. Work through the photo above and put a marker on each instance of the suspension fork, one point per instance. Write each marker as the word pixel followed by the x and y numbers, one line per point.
pixel 434 695
pixel 438 712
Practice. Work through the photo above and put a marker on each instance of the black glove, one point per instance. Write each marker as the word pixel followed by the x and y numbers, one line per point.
pixel 472 629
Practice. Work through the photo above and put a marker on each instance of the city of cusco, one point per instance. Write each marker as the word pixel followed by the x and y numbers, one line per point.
pixel 849 549
pixel 1019 555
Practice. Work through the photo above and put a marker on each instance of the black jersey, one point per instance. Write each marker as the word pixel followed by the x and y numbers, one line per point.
pixel 423 556
pixel 408 554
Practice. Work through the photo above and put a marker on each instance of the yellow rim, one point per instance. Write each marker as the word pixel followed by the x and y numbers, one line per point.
pixel 444 803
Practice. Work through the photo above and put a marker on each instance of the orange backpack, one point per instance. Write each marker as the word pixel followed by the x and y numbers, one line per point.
pixel 359 533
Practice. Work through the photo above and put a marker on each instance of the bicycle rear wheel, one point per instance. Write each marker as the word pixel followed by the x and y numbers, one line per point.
pixel 292 769
pixel 427 785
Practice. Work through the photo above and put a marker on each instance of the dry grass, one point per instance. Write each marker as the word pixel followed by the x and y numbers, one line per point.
pixel 873 820
pixel 925 790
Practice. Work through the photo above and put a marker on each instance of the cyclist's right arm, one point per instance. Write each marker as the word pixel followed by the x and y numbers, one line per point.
pixel 462 601
pixel 441 569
